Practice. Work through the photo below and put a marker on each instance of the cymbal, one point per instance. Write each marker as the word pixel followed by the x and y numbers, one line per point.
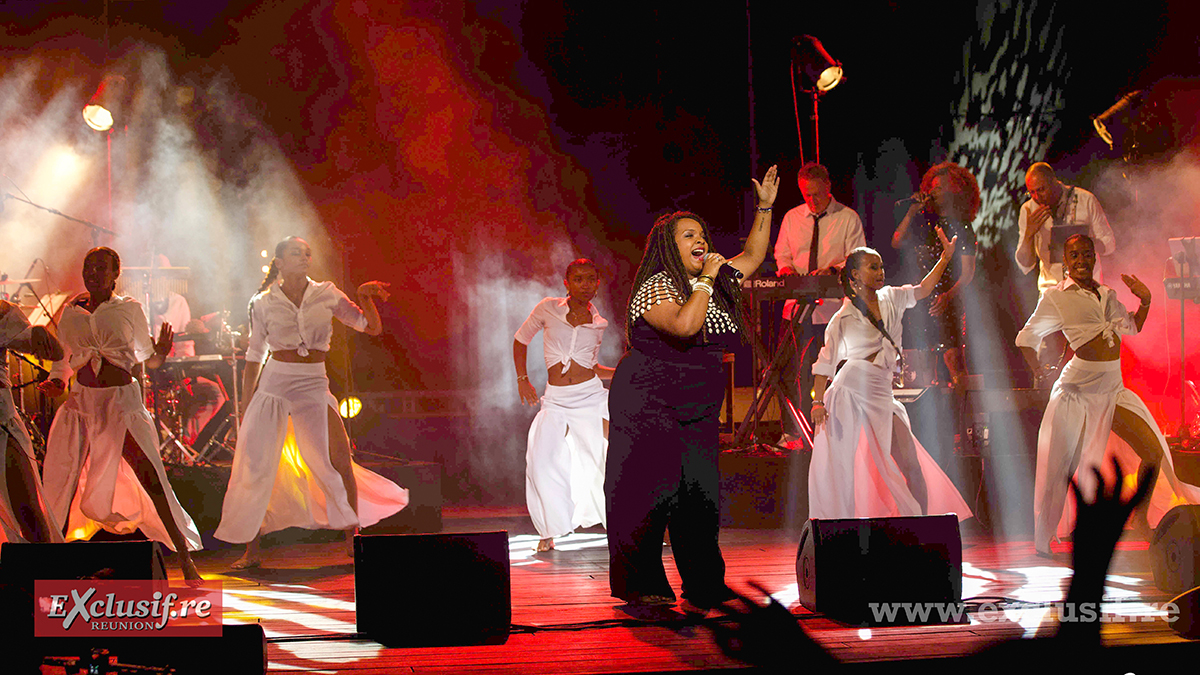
pixel 18 282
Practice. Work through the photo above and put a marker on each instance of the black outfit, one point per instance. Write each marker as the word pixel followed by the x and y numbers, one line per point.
pixel 948 331
pixel 662 456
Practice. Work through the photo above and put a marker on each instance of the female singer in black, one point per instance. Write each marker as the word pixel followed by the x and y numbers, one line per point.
pixel 663 406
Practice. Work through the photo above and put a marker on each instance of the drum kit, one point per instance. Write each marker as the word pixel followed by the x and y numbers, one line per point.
pixel 193 396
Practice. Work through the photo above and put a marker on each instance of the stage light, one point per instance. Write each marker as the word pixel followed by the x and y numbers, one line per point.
pixel 350 407
pixel 818 72
pixel 263 253
pixel 266 269
pixel 817 69
pixel 98 113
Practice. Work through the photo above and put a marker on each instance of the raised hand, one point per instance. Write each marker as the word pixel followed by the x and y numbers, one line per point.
pixel 1099 523
pixel 166 340
pixel 1137 288
pixel 768 188
pixel 374 289
pixel 949 246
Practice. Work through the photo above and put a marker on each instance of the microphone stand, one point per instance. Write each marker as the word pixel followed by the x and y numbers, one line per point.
pixel 95 228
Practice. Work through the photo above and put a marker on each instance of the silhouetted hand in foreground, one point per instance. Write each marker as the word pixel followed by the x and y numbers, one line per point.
pixel 1098 527
pixel 768 636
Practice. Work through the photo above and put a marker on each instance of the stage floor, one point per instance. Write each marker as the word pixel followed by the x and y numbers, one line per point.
pixel 565 621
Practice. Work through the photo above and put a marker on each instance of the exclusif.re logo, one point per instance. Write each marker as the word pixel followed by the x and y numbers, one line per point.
pixel 79 608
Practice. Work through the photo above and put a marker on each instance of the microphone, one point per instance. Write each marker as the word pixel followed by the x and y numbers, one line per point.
pixel 920 197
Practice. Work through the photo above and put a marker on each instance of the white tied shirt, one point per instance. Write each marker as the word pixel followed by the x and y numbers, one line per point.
pixel 563 342
pixel 277 325
pixel 852 336
pixel 117 332
pixel 1079 314
pixel 840 233
pixel 1077 208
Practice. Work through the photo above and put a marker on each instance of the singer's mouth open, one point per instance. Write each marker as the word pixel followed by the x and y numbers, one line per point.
pixel 698 253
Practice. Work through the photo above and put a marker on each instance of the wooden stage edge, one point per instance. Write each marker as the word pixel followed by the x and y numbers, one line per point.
pixel 564 620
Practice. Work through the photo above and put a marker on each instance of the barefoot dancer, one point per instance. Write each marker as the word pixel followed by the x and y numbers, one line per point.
pixel 291 317
pixel 102 467
pixel 564 462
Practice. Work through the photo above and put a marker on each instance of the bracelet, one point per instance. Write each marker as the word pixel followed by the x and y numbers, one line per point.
pixel 818 403
pixel 522 377
pixel 705 276
pixel 764 209
pixel 703 286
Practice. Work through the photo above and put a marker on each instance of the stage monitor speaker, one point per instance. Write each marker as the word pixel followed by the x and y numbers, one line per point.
pixel 429 590
pixel 849 568
pixel 1187 621
pixel 1174 549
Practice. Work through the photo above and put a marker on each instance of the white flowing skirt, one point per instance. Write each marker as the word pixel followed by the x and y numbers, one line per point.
pixel 1073 438
pixel 88 482
pixel 853 472
pixel 269 490
pixel 564 461
pixel 12 427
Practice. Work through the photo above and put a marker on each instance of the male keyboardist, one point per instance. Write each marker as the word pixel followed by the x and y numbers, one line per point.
pixel 830 229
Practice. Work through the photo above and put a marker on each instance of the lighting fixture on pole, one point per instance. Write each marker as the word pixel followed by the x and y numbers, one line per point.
pixel 104 107
pixel 818 73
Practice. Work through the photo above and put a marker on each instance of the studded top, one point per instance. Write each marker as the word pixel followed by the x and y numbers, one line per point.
pixel 659 288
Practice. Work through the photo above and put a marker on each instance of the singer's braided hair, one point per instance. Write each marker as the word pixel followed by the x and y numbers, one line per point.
pixel 662 254
pixel 273 270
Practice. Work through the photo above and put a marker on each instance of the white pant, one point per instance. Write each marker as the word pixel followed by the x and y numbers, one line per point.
pixel 269 490
pixel 854 473
pixel 564 462
pixel 11 426
pixel 88 482
pixel 1072 439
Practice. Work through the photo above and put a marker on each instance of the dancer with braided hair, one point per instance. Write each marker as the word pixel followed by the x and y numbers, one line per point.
pixel 663 409
pixel 866 462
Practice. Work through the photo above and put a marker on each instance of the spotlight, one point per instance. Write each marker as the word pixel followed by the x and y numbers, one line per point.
pixel 266 269
pixel 350 407
pixel 263 253
pixel 98 113
pixel 815 67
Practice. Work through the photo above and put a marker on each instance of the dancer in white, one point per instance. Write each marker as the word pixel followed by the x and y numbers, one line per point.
pixel 103 468
pixel 1089 399
pixel 23 514
pixel 292 319
pixel 866 462
pixel 568 441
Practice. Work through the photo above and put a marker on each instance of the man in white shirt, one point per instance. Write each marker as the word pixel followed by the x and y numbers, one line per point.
pixel 567 445
pixel 1089 400
pixel 1053 213
pixel 814 238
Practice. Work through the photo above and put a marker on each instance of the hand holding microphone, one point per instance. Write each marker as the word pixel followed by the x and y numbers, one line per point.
pixel 715 263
